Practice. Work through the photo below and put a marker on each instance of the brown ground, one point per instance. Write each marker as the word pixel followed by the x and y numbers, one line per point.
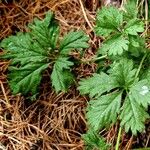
pixel 53 122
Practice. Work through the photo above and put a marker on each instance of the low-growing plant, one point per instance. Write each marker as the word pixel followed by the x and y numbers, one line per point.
pixel 121 93
pixel 33 52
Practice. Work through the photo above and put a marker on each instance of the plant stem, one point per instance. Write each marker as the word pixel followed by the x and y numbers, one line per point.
pixel 118 139
pixel 94 59
pixel 99 58
pixel 140 66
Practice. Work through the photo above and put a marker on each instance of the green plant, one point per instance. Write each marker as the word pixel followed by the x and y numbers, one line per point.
pixel 122 92
pixel 41 48
pixel 93 140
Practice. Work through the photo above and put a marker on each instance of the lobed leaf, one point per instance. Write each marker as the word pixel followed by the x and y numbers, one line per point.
pixel 124 73
pixel 61 76
pixel 133 116
pixel 134 26
pixel 97 85
pixel 104 110
pixel 140 92
pixel 137 45
pixel 45 32
pixel 108 20
pixel 131 11
pixel 94 141
pixel 73 40
pixel 21 50
pixel 26 79
pixel 116 45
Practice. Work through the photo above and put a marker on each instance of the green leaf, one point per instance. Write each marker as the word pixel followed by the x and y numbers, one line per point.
pixel 140 92
pixel 61 76
pixel 73 40
pixel 93 141
pixel 137 45
pixel 116 45
pixel 26 79
pixel 133 115
pixel 131 11
pixel 45 31
pixel 97 85
pixel 108 20
pixel 103 111
pixel 134 27
pixel 21 50
pixel 30 54
pixel 124 73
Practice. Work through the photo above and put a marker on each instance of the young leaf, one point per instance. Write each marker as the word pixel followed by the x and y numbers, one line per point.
pixel 93 141
pixel 73 40
pixel 108 20
pixel 134 27
pixel 97 85
pixel 103 111
pixel 133 116
pixel 61 76
pixel 116 45
pixel 26 79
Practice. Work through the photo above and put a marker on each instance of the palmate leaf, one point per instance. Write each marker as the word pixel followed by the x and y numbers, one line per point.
pixel 61 76
pixel 127 99
pixel 73 40
pixel 26 79
pixel 103 110
pixel 116 45
pixel 108 20
pixel 39 47
pixel 93 141
pixel 29 54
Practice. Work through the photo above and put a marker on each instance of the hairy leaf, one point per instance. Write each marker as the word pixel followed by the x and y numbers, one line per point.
pixel 61 76
pixel 133 115
pixel 93 141
pixel 124 73
pixel 45 32
pixel 116 45
pixel 131 11
pixel 73 40
pixel 137 45
pixel 108 20
pixel 134 27
pixel 21 49
pixel 140 92
pixel 97 85
pixel 103 111
pixel 26 79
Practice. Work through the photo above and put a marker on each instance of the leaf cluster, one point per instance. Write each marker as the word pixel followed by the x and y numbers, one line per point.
pixel 33 52
pixel 121 93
